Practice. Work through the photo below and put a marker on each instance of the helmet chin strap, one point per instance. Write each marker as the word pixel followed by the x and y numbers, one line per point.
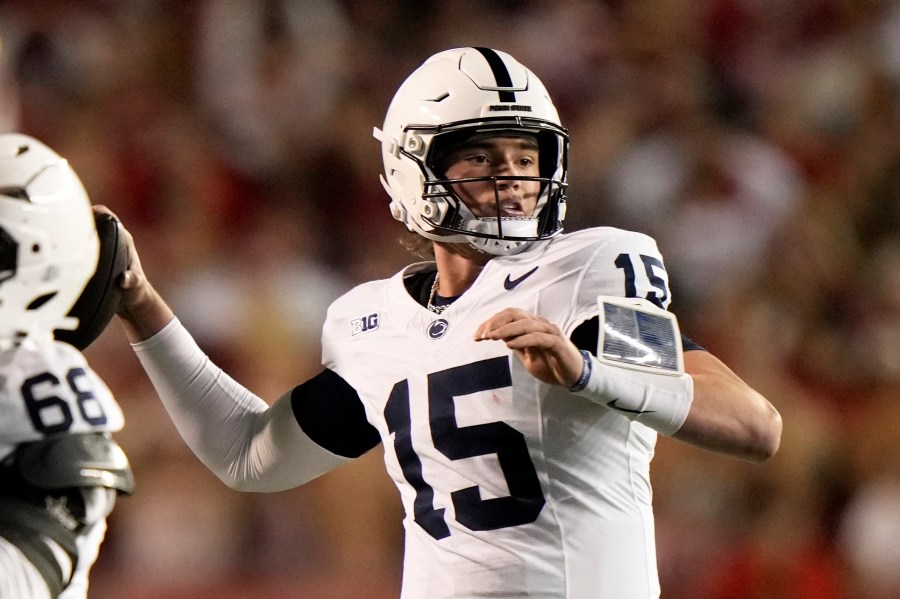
pixel 498 231
pixel 511 227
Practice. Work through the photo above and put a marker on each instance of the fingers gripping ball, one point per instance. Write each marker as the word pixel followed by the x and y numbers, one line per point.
pixel 100 298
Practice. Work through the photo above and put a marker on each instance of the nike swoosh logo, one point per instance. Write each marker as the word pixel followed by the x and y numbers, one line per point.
pixel 510 284
pixel 612 404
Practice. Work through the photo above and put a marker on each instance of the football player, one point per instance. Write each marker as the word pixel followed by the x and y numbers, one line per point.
pixel 517 380
pixel 60 470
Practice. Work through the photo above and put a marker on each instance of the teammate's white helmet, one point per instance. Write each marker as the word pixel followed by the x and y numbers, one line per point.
pixel 453 95
pixel 48 241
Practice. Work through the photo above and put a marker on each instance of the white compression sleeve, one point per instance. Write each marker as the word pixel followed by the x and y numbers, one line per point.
pixel 659 401
pixel 247 444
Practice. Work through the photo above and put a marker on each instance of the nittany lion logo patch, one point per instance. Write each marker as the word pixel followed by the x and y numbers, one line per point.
pixel 438 328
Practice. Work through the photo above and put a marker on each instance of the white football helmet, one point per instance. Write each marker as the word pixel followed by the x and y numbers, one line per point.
pixel 453 95
pixel 48 240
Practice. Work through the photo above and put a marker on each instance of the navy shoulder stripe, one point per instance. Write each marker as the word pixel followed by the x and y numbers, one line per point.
pixel 331 413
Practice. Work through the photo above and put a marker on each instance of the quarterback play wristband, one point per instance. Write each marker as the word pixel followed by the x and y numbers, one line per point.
pixel 659 401
pixel 638 369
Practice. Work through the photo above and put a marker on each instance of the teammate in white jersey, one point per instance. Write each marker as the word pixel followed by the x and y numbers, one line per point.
pixel 518 436
pixel 60 470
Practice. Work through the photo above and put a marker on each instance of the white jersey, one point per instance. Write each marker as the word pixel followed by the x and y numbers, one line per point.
pixel 511 487
pixel 19 579
pixel 47 388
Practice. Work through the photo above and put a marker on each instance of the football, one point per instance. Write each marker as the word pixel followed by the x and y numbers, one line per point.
pixel 100 298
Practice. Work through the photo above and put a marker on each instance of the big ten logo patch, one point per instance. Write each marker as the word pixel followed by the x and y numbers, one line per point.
pixel 365 324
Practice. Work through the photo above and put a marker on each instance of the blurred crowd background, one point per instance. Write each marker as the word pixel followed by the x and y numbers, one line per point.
pixel 758 140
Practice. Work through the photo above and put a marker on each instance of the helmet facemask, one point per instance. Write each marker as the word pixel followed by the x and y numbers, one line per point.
pixel 495 233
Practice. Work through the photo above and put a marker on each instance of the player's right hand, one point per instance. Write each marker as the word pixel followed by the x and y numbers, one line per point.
pixel 142 311
pixel 539 344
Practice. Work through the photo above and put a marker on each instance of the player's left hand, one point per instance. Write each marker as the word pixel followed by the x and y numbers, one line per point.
pixel 542 348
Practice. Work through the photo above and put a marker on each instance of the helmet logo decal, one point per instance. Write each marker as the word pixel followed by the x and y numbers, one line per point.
pixel 509 107
pixel 501 74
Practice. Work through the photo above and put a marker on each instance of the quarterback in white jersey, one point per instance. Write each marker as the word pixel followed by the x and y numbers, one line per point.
pixel 517 381
pixel 60 470
pixel 512 487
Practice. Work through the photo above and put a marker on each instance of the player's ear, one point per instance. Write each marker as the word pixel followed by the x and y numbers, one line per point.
pixel 100 297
